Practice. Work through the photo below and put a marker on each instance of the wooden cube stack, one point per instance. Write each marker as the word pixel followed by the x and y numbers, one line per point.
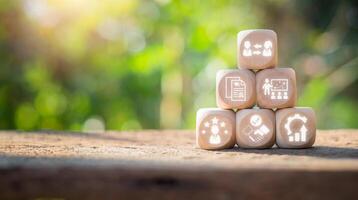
pixel 256 102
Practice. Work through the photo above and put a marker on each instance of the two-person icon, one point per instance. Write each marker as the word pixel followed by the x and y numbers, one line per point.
pixel 266 51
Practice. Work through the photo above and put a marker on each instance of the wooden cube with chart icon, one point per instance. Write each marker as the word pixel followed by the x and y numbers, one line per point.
pixel 295 127
pixel 276 88
pixel 215 128
pixel 235 89
pixel 257 49
pixel 255 128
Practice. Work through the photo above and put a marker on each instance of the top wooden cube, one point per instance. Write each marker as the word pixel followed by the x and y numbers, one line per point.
pixel 257 49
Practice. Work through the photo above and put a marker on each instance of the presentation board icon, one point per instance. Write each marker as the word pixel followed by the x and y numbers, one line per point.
pixel 276 88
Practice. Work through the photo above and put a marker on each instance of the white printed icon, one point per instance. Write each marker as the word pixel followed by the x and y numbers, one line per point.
pixel 247 49
pixel 301 134
pixel 235 89
pixel 256 131
pixel 267 52
pixel 257 49
pixel 276 88
pixel 214 127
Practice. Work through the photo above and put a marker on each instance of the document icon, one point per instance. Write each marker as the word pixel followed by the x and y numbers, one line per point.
pixel 235 89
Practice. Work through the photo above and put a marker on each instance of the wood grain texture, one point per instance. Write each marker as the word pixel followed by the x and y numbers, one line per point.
pixel 166 165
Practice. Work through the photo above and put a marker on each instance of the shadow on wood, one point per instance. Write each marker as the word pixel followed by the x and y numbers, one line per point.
pixel 107 179
pixel 317 151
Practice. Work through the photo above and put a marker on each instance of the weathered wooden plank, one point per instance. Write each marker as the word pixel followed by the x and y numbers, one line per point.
pixel 165 164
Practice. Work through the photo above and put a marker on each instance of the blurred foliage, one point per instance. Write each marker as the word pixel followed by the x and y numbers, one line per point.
pixel 132 64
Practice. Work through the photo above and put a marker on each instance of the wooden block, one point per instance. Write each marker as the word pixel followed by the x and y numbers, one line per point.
pixel 215 128
pixel 257 49
pixel 276 88
pixel 255 128
pixel 235 89
pixel 295 127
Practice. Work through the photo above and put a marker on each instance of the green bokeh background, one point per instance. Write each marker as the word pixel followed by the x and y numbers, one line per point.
pixel 140 64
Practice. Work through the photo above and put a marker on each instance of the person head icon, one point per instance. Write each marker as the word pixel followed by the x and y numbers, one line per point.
pixel 247 44
pixel 247 49
pixel 268 44
pixel 266 80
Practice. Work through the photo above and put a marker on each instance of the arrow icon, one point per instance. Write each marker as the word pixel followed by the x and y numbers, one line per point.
pixel 256 52
pixel 257 46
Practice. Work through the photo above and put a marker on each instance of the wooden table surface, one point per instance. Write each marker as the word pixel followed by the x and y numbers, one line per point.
pixel 166 164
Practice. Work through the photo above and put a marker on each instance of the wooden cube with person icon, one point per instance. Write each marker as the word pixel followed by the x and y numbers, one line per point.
pixel 276 88
pixel 257 49
pixel 215 128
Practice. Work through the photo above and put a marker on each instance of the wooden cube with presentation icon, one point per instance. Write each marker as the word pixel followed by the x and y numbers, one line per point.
pixel 276 88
